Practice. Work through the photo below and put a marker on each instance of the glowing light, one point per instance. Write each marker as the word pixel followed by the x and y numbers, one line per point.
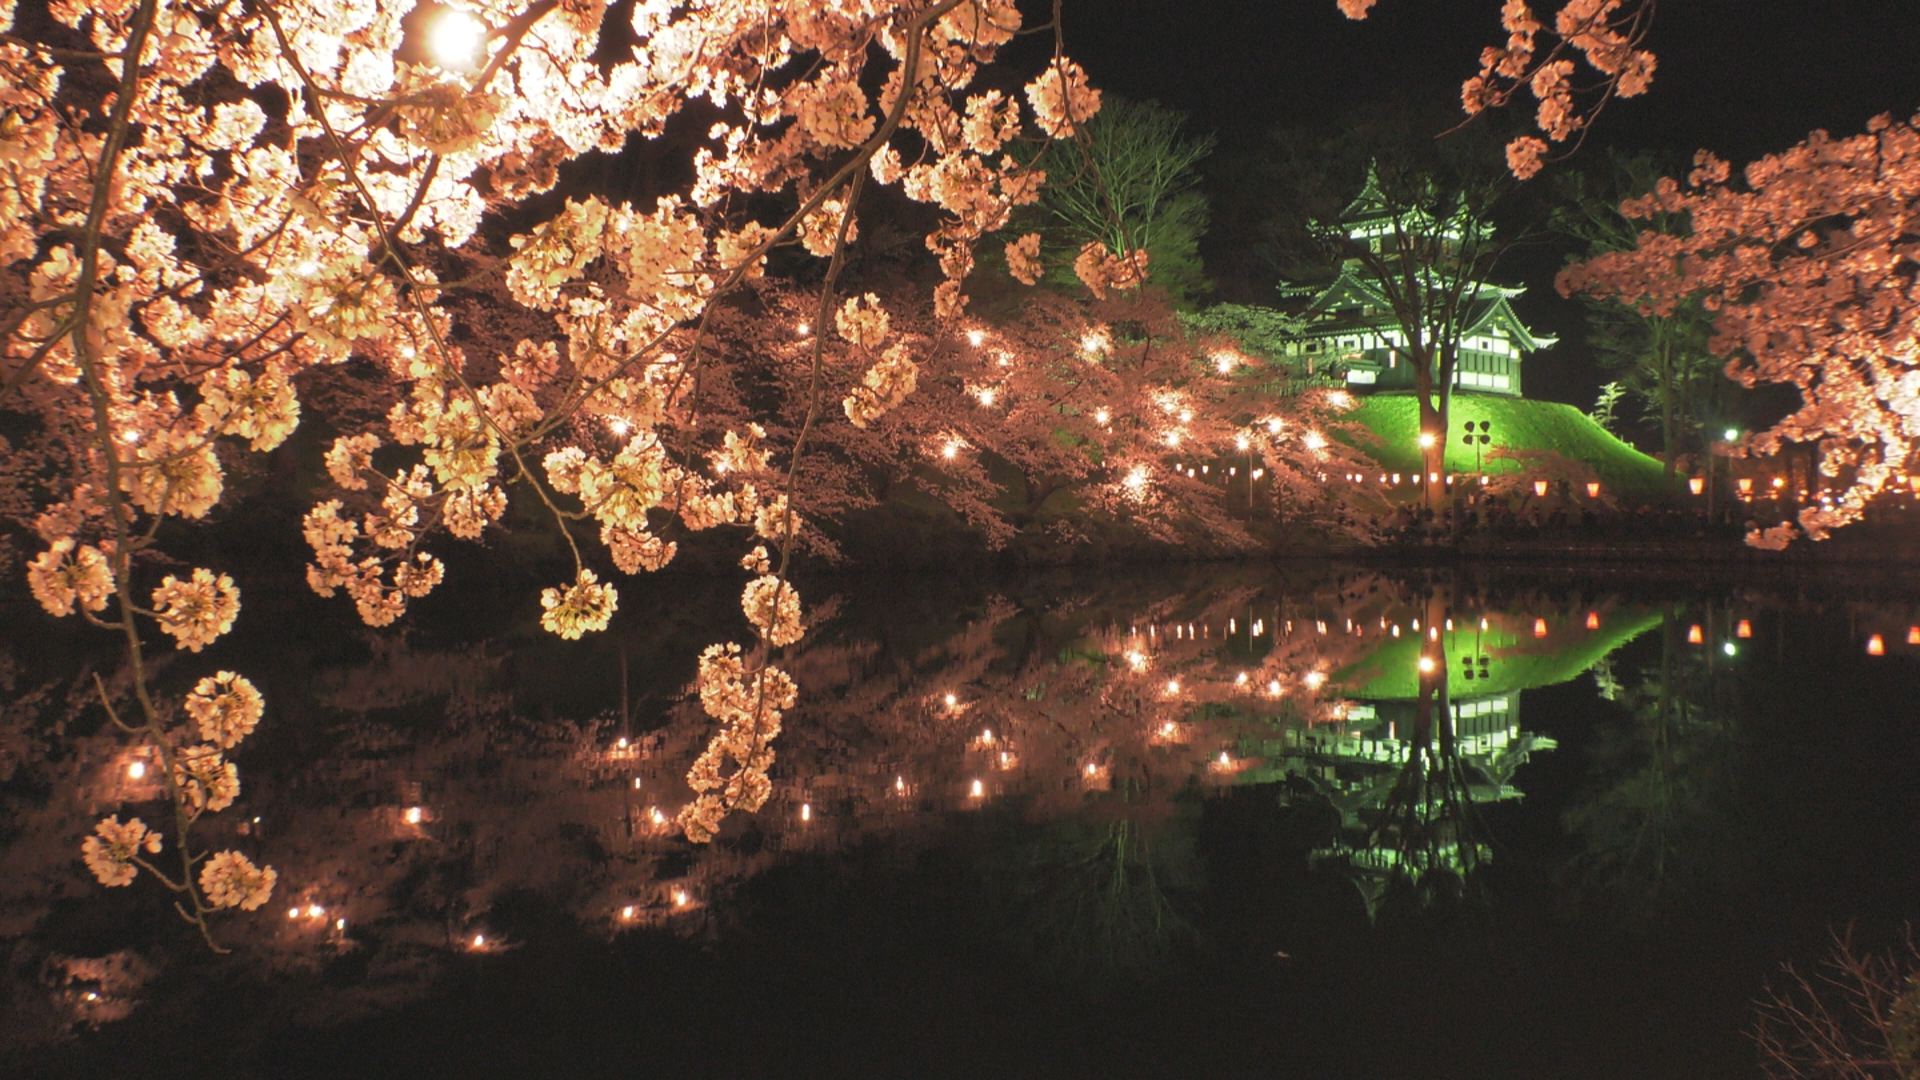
pixel 1426 665
pixel 1136 481
pixel 1315 441
pixel 1744 630
pixel 1593 620
pixel 1137 660
pixel 1315 679
pixel 1540 489
pixel 1173 687
pixel 1094 342
pixel 950 701
pixel 1340 399
pixel 654 815
pixel 415 815
pixel 1732 434
pixel 986 736
pixel 1729 648
pixel 1173 438
pixel 621 742
pixel 629 912
pixel 1273 687
pixel 899 785
pixel 806 812
pixel 1224 761
pixel 950 451
pixel 307 268
pixel 1092 769
pixel 680 898
pixel 986 395
pixel 137 770
pixel 1876 646
pixel 1593 489
pixel 1223 362
pixel 803 329
pixel 1186 416
pixel 340 925
pixel 1779 482
pixel 978 789
pixel 315 911
pixel 619 426
pixel 1426 440
pixel 976 338
pixel 1746 485
pixel 1273 426
pixel 1696 484
pixel 1539 628
pixel 456 39
pixel 1694 635
pixel 93 995
pixel 1102 417
pixel 1913 635
pixel 636 783
pixel 1240 679
pixel 1169 729
pixel 293 913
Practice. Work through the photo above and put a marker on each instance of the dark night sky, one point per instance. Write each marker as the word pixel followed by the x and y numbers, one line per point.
pixel 1741 77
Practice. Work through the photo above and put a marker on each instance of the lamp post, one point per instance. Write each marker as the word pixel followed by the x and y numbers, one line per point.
pixel 1478 441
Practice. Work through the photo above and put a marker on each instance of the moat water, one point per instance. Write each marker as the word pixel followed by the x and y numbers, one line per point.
pixel 1317 820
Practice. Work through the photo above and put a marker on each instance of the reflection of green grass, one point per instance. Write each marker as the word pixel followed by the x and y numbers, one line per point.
pixel 1393 420
pixel 1516 659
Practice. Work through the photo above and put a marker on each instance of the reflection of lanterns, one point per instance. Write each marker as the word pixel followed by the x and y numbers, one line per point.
pixel 977 790
pixel 1540 489
pixel 1694 635
pixel 1593 620
pixel 1743 630
pixel 1426 665
pixel 1539 628
pixel 1913 635
pixel 806 812
pixel 1876 646
pixel 1746 485
pixel 479 941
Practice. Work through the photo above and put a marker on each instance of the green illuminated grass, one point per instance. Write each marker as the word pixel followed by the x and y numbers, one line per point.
pixel 1393 422
pixel 1517 660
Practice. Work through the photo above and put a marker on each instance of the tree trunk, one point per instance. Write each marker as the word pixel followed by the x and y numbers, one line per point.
pixel 1667 393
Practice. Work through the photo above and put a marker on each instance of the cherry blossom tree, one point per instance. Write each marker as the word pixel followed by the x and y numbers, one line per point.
pixel 1807 262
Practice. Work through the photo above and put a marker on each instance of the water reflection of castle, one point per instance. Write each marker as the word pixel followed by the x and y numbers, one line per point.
pixel 1406 797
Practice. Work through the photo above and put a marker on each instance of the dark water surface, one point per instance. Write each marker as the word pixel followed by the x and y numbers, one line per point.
pixel 1579 846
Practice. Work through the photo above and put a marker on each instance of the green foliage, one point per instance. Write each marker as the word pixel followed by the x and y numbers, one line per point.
pixel 1260 331
pixel 1130 182
pixel 1607 403
pixel 1661 359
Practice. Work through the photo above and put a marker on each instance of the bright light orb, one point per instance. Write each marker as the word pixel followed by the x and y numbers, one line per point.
pixel 976 338
pixel 1426 440
pixel 1315 441
pixel 1136 481
pixel 415 815
pixel 457 40
pixel 1102 417
pixel 950 451
pixel 137 770
pixel 1241 442
pixel 986 396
